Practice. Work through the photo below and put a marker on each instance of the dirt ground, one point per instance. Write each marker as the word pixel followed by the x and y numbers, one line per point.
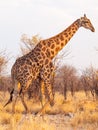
pixel 76 113
pixel 46 122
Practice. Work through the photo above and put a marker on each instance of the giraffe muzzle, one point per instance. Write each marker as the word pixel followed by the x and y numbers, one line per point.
pixel 93 29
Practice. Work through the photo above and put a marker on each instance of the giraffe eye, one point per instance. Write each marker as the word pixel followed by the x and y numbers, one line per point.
pixel 85 21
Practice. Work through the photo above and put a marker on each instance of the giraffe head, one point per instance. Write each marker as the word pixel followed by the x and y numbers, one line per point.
pixel 86 23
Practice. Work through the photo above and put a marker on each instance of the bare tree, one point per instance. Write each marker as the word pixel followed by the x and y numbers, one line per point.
pixel 67 76
pixel 90 81
pixel 3 62
pixel 29 43
pixel 3 65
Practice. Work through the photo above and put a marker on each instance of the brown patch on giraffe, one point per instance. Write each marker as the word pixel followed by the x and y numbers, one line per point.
pixel 49 44
pixel 48 53
pixel 73 28
pixel 48 69
pixel 25 67
pixel 41 61
pixel 76 27
pixel 52 52
pixel 62 44
pixel 74 31
pixel 66 34
pixel 69 38
pixel 37 49
pixel 30 77
pixel 37 52
pixel 44 48
pixel 46 61
pixel 39 57
pixel 66 40
pixel 51 40
pixel 61 37
pixel 43 55
pixel 69 33
pixel 40 45
pixel 29 62
pixel 57 49
pixel 52 46
pixel 46 73
pixel 44 43
pixel 57 41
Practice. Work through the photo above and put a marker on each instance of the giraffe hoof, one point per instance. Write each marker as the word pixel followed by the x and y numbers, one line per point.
pixel 52 103
pixel 25 112
pixel 35 113
pixel 38 114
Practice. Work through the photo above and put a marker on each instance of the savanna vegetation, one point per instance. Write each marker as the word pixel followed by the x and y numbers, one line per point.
pixel 76 97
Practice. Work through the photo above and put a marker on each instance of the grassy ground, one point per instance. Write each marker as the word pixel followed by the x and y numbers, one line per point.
pixel 76 113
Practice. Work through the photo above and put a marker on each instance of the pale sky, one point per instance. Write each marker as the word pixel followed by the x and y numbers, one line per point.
pixel 48 18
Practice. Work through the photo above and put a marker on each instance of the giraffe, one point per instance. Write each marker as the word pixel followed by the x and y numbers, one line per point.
pixel 38 64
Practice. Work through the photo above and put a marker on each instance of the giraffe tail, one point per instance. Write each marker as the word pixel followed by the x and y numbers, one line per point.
pixel 10 99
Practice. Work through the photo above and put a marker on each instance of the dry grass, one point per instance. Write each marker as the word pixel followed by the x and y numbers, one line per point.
pixel 76 113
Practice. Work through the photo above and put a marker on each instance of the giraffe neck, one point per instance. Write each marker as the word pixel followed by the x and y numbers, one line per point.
pixel 56 43
pixel 50 47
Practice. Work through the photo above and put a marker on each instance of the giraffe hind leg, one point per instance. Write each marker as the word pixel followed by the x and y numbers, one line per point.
pixel 18 92
pixel 42 93
pixel 22 91
pixel 10 99
pixel 23 102
pixel 14 103
pixel 15 95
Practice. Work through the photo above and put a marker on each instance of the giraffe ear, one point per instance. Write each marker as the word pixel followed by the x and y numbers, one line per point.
pixel 84 15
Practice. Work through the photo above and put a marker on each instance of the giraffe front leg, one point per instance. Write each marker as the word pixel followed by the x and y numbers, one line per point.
pixel 46 75
pixel 23 90
pixel 43 110
pixel 43 99
pixel 50 94
pixel 49 102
